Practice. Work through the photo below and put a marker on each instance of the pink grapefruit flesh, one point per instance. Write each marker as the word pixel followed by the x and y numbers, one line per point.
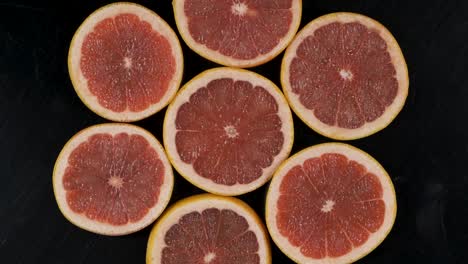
pixel 125 62
pixel 207 229
pixel 112 179
pixel 227 130
pixel 330 203
pixel 345 76
pixel 133 62
pixel 238 33
pixel 241 244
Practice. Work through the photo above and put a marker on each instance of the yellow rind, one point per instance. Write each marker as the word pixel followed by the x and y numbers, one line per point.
pixel 240 63
pixel 60 156
pixel 393 43
pixel 206 196
pixel 183 88
pixel 115 117
pixel 293 157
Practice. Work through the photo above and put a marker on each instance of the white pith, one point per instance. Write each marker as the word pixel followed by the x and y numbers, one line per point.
pixel 209 257
pixel 115 182
pixel 231 131
pixel 346 74
pixel 127 63
pixel 327 206
pixel 239 8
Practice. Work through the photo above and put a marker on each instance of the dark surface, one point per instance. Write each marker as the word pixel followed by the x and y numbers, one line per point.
pixel 425 150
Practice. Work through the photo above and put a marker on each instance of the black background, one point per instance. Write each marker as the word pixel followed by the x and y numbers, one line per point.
pixel 425 150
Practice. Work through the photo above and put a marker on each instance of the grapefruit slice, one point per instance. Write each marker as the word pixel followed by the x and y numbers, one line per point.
pixel 125 62
pixel 330 203
pixel 227 130
pixel 344 75
pixel 112 179
pixel 209 229
pixel 238 33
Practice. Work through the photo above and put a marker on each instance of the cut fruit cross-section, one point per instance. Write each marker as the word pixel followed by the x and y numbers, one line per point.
pixel 209 229
pixel 344 75
pixel 227 130
pixel 238 33
pixel 112 179
pixel 125 62
pixel 330 203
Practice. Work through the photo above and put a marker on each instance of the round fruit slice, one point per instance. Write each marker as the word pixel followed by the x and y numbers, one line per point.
pixel 345 76
pixel 209 229
pixel 238 33
pixel 125 62
pixel 330 203
pixel 227 130
pixel 112 179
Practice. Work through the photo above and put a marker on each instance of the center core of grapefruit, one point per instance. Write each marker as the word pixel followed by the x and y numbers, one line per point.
pixel 115 182
pixel 327 206
pixel 346 75
pixel 127 63
pixel 239 8
pixel 210 256
pixel 231 131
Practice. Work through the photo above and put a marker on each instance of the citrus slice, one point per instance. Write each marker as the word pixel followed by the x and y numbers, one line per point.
pixel 209 229
pixel 112 179
pixel 330 203
pixel 344 75
pixel 125 62
pixel 238 33
pixel 227 130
